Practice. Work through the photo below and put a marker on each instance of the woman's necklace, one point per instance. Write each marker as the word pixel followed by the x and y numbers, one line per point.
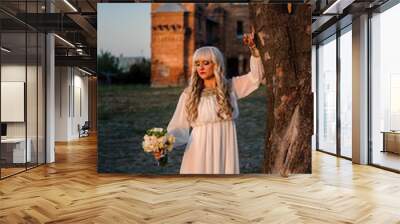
pixel 208 91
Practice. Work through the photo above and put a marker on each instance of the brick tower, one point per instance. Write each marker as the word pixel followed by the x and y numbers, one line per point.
pixel 171 42
pixel 178 29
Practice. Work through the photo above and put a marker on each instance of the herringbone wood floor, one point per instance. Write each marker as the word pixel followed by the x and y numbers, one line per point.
pixel 71 191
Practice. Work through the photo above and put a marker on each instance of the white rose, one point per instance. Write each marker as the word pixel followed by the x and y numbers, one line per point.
pixel 171 139
pixel 147 147
pixel 170 148
pixel 164 139
pixel 152 138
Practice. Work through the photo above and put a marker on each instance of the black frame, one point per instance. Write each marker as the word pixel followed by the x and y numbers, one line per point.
pixel 317 94
pixel 337 34
pixel 44 80
pixel 387 5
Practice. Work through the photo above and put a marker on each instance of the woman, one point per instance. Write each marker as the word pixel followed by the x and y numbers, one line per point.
pixel 209 106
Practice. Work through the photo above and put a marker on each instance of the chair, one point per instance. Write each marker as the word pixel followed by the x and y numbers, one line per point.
pixel 84 130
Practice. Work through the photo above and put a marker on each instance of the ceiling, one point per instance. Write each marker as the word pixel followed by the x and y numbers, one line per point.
pixel 73 20
pixel 76 22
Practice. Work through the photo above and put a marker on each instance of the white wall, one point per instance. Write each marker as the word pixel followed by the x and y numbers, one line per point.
pixel 62 81
pixel 33 127
pixel 50 94
pixel 12 73
pixel 314 90
pixel 71 93
pixel 360 90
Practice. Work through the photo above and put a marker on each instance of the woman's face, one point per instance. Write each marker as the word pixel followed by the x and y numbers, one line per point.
pixel 205 68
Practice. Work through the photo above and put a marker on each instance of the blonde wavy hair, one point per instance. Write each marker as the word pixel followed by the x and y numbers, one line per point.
pixel 196 84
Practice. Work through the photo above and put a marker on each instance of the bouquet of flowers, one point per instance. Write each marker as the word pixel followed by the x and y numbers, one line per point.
pixel 158 142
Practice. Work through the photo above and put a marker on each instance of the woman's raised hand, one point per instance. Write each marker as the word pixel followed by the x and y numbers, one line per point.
pixel 157 155
pixel 248 39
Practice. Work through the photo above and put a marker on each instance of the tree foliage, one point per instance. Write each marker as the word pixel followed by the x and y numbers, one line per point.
pixel 110 71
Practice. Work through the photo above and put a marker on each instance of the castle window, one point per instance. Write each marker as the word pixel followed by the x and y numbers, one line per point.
pixel 239 29
pixel 212 28
pixel 232 67
pixel 199 24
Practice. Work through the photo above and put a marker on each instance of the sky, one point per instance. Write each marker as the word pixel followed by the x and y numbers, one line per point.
pixel 124 28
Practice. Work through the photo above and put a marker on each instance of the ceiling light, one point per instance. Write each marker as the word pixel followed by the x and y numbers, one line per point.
pixel 64 40
pixel 86 72
pixel 70 5
pixel 338 6
pixel 79 51
pixel 5 49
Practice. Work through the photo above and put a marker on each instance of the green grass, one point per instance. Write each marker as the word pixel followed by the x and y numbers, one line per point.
pixel 125 112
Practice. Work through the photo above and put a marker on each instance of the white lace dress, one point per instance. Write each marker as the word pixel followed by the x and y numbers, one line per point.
pixel 212 146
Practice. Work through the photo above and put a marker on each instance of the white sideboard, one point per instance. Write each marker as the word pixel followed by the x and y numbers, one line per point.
pixel 18 145
pixel 391 141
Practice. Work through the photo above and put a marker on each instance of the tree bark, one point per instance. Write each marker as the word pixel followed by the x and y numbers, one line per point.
pixel 284 41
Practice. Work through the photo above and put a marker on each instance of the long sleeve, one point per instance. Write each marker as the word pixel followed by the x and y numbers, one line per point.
pixel 246 84
pixel 179 125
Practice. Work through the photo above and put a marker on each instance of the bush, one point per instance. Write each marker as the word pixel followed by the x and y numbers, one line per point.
pixel 110 72
pixel 138 73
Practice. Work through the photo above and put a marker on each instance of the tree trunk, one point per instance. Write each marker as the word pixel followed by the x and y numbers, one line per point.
pixel 285 43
